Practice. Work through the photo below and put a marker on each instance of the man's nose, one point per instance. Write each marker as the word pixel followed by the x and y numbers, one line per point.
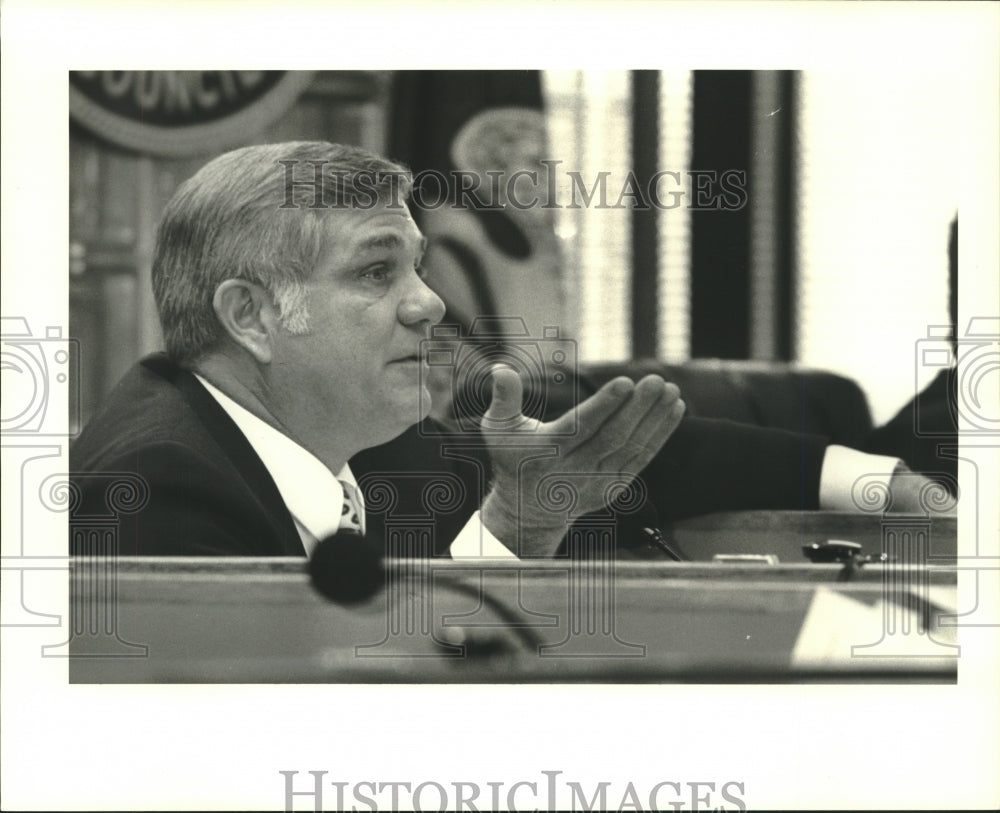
pixel 421 304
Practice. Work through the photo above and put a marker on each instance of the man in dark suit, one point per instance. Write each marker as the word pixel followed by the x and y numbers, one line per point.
pixel 288 283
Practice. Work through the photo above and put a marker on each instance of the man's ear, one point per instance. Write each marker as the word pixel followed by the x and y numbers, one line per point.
pixel 246 312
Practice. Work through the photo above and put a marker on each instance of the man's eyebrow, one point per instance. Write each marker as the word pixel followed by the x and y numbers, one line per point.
pixel 390 241
pixel 381 241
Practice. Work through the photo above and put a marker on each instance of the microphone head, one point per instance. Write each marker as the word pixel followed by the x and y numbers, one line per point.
pixel 347 568
pixel 631 523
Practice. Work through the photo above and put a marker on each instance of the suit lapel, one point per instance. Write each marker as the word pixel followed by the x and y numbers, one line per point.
pixel 236 447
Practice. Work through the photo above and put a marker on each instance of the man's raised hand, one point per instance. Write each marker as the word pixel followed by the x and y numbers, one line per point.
pixel 614 434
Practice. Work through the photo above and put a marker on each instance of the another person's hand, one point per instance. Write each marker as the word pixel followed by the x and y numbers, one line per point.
pixel 912 493
pixel 609 439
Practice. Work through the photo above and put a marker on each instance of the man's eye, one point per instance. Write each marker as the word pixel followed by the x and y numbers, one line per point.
pixel 378 274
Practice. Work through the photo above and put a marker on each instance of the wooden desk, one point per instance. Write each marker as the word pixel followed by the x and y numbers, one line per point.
pixel 783 533
pixel 209 620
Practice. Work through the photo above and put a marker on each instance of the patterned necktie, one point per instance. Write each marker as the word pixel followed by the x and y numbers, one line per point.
pixel 350 515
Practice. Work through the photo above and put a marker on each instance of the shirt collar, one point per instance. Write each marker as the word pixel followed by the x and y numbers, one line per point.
pixel 313 495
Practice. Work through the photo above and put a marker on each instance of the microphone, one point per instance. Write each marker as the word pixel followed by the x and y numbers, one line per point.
pixel 347 568
pixel 644 525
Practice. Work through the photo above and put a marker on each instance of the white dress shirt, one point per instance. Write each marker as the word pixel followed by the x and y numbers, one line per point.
pixel 842 467
pixel 314 496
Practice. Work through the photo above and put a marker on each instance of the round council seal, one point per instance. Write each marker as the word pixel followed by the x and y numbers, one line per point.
pixel 181 112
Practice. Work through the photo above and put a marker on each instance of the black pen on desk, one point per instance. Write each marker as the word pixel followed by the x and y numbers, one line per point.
pixel 655 537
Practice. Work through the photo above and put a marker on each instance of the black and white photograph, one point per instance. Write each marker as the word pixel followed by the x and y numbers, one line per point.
pixel 507 409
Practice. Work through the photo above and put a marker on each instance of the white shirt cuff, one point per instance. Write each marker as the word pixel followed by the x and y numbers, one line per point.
pixel 475 541
pixel 842 468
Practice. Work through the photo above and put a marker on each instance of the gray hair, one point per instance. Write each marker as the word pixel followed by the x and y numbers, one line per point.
pixel 256 214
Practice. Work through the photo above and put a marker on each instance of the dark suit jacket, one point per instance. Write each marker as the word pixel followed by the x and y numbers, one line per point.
pixel 210 494
pixel 924 433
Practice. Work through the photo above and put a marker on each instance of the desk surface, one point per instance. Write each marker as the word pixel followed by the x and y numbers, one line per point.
pixel 176 620
pixel 783 533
